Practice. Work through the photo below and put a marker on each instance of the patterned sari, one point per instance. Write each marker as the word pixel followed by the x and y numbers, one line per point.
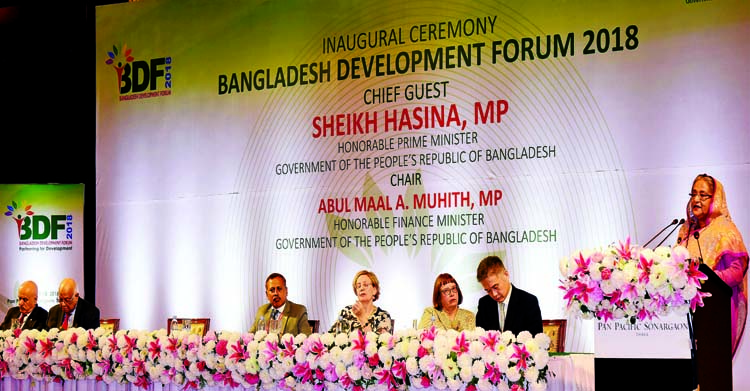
pixel 723 251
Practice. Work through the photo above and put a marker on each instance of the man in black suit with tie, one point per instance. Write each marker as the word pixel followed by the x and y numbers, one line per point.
pixel 73 311
pixel 505 307
pixel 29 315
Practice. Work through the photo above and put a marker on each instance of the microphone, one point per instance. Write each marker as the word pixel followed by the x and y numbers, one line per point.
pixel 660 232
pixel 682 221
pixel 697 235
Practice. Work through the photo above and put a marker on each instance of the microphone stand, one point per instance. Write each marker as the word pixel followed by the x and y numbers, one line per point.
pixel 682 221
pixel 660 232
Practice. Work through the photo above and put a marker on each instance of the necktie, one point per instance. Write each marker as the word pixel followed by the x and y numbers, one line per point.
pixel 502 316
pixel 21 319
pixel 274 314
pixel 64 325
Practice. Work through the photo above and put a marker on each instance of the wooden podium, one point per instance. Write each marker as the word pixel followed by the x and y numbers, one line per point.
pixel 713 334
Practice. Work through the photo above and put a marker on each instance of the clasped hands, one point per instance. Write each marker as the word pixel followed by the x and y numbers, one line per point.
pixel 362 315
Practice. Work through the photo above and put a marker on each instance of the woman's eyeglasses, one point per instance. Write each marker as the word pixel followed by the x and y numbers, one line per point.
pixel 702 196
pixel 449 291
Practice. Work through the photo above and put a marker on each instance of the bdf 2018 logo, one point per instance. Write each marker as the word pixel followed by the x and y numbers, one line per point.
pixel 39 227
pixel 139 79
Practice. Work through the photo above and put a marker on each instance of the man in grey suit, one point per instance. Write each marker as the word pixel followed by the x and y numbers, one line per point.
pixel 29 315
pixel 292 316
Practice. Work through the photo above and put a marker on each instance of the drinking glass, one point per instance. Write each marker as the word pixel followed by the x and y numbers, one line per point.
pixel 275 326
pixel 14 324
pixel 187 325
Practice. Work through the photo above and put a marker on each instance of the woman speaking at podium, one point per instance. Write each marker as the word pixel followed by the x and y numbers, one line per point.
pixel 719 243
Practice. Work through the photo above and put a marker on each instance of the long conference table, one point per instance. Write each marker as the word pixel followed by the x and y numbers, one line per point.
pixel 97 360
pixel 570 372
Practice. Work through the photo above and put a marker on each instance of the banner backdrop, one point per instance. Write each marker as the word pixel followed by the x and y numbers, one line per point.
pixel 41 239
pixel 315 139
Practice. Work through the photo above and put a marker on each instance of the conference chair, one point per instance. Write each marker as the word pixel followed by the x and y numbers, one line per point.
pixel 110 324
pixel 314 324
pixel 555 330
pixel 198 326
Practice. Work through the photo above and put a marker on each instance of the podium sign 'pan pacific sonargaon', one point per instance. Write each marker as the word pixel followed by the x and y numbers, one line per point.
pixel 665 337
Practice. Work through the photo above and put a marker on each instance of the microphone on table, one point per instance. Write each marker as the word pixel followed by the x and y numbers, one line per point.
pixel 660 232
pixel 682 221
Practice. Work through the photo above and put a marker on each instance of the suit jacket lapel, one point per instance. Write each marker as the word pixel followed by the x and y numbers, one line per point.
pixel 286 315
pixel 513 309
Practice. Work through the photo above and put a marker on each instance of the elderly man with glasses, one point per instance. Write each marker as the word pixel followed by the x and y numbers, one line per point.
pixel 27 315
pixel 73 311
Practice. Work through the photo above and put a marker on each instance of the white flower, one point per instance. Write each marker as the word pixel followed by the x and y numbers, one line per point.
pixel 513 374
pixel 298 339
pixel 450 369
pixel 542 340
pixel 354 373
pixel 342 340
pixel 594 271
pixel 413 348
pixel 484 385
pixel 412 367
pixel 466 374
pixel 327 339
pixel 440 384
pixel 658 275
pixel 475 349
pixel 401 349
pixel 630 270
pixel 260 335
pixel 689 292
pixel 524 336
pixel 464 361
pixel 426 363
pixel 531 374
pixel 478 369
pixel 662 253
pixel 371 349
pixel 340 369
pixel 454 384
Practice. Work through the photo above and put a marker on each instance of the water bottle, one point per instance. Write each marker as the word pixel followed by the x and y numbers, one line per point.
pixel 261 324
pixel 432 320
pixel 173 326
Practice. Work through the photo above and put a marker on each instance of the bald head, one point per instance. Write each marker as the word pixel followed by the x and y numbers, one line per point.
pixel 67 294
pixel 27 296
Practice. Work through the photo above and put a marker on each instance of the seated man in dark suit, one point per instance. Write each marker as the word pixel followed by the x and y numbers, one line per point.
pixel 29 315
pixel 505 307
pixel 293 316
pixel 73 311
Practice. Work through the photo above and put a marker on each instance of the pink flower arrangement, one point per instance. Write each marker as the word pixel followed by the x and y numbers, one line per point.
pixel 472 360
pixel 631 282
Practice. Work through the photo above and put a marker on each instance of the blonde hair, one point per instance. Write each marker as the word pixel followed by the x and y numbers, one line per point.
pixel 373 278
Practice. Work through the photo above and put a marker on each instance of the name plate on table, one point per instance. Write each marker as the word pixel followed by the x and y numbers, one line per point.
pixel 663 337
